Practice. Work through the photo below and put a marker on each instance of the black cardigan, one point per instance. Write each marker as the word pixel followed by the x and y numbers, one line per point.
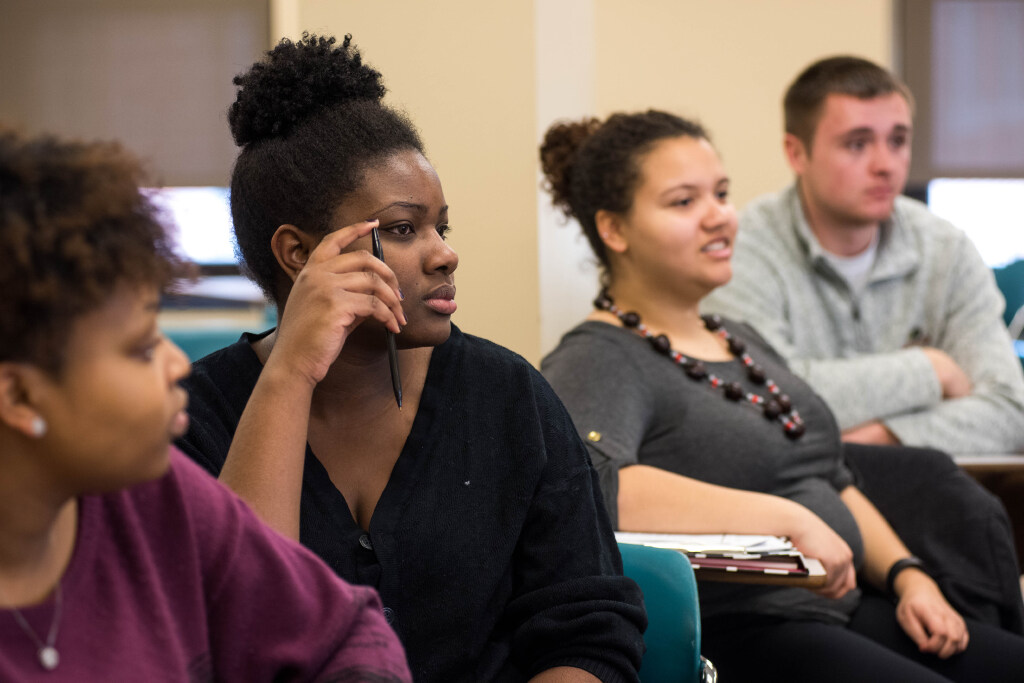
pixel 490 546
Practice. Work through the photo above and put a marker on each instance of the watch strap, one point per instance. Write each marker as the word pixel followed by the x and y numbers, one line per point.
pixel 897 567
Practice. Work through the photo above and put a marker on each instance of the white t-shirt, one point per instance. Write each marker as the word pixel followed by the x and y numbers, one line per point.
pixel 855 269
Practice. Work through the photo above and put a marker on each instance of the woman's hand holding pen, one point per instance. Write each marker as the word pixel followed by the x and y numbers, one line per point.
pixel 333 293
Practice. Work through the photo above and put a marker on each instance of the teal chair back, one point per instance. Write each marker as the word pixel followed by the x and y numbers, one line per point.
pixel 1010 280
pixel 1011 283
pixel 200 339
pixel 673 615
pixel 197 342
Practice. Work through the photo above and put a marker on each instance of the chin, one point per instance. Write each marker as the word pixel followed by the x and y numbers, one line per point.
pixel 719 278
pixel 876 216
pixel 418 335
pixel 874 213
pixel 156 465
pixel 151 464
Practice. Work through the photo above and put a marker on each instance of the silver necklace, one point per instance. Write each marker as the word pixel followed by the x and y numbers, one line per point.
pixel 47 653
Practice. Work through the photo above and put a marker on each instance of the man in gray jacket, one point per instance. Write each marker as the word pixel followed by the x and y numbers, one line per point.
pixel 885 309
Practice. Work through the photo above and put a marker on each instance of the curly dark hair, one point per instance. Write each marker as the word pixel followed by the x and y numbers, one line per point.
pixel 74 226
pixel 589 165
pixel 310 121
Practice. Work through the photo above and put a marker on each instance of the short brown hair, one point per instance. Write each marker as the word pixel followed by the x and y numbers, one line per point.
pixel 843 75
pixel 74 226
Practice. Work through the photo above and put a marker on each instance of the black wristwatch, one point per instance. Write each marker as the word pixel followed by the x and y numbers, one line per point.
pixel 896 568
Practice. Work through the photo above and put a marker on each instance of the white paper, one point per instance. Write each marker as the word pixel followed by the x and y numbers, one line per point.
pixel 710 543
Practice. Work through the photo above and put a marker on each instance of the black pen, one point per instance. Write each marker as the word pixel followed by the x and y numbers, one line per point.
pixel 396 378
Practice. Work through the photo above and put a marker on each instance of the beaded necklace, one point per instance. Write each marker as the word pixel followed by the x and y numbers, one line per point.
pixel 777 406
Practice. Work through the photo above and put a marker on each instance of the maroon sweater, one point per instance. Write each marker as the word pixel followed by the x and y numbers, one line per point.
pixel 176 580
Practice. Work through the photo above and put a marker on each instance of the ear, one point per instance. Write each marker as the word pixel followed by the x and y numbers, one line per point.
pixel 609 229
pixel 796 153
pixel 292 247
pixel 16 409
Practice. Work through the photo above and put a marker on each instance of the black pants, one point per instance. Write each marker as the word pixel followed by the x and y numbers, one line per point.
pixel 872 648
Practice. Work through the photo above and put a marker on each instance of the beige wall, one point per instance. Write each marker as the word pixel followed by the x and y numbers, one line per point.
pixel 484 79
pixel 727 63
pixel 464 72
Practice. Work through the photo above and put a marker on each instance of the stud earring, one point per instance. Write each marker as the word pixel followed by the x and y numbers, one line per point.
pixel 38 427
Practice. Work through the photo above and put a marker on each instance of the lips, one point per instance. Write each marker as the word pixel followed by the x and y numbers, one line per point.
pixel 179 421
pixel 442 299
pixel 179 424
pixel 720 247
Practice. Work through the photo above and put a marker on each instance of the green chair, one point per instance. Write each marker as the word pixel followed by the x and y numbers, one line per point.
pixel 197 342
pixel 673 615
pixel 202 337
pixel 1010 280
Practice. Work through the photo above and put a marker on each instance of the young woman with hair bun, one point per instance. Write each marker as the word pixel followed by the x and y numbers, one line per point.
pixel 473 509
pixel 696 425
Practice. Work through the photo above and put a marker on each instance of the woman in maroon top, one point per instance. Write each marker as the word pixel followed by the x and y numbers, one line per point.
pixel 118 555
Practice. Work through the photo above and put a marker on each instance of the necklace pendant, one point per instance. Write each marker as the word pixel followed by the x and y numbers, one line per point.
pixel 48 657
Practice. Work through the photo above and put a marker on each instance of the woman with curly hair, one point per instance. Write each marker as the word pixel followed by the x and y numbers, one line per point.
pixel 696 426
pixel 118 555
pixel 473 509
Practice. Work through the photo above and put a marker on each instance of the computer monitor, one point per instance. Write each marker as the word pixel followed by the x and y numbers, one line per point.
pixel 200 218
pixel 989 210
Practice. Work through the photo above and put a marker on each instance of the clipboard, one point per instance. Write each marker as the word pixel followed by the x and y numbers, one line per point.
pixel 734 558
pixel 813 576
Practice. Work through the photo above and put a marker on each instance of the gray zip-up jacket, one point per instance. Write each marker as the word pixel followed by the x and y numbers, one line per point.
pixel 927 287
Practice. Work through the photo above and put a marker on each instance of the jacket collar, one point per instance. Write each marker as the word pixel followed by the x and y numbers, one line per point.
pixel 897 254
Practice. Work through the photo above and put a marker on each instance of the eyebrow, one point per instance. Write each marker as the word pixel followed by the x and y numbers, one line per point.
pixel 152 309
pixel 421 208
pixel 142 331
pixel 866 130
pixel 689 186
pixel 853 132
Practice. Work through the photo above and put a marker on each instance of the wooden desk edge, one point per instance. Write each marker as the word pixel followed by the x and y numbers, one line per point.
pixel 990 463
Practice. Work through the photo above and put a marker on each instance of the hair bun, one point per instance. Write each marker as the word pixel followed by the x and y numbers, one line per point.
pixel 557 155
pixel 296 80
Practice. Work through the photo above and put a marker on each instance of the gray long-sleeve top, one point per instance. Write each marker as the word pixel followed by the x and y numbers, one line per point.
pixel 927 287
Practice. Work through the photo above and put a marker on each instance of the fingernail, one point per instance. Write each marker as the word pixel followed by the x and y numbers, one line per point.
pixel 400 295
